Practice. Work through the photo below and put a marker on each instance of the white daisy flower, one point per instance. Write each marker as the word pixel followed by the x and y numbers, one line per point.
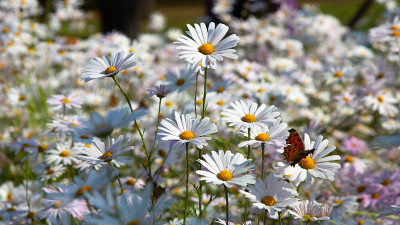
pixel 180 80
pixel 245 115
pixel 204 46
pixel 308 211
pixel 383 102
pixel 107 67
pixel 69 101
pixel 314 165
pixel 62 155
pixel 227 169
pixel 266 135
pixel 272 194
pixel 104 152
pixel 186 129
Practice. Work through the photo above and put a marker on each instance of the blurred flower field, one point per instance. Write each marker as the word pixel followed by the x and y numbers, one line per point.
pixel 286 118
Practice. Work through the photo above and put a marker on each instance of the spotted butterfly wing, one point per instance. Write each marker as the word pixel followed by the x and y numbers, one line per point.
pixel 295 150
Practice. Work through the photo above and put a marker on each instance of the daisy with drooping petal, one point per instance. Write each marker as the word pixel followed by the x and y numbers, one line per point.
pixel 245 115
pixel 314 165
pixel 204 46
pixel 260 135
pixel 107 67
pixel 160 91
pixel 272 194
pixel 227 169
pixel 104 152
pixel 186 129
pixel 308 211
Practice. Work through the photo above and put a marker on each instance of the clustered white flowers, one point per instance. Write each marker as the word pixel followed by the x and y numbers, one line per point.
pixel 285 118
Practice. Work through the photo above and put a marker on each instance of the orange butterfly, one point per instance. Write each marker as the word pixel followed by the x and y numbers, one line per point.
pixel 294 150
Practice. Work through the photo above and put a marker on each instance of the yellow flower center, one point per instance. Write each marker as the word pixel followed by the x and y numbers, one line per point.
pixel 84 136
pixel 11 209
pixel 339 74
pixel 380 75
pixel 168 103
pixel 249 118
pixel 106 155
pixel 307 218
pixel 225 175
pixel 133 222
pixel 386 182
pixel 186 135
pixel 206 49
pixel 380 99
pixel 26 145
pixel 65 153
pixel 162 153
pixel 220 89
pixel 180 82
pixel 131 181
pixel 361 189
pixel 110 69
pixel 42 148
pixel 262 137
pixel 349 159
pixel 394 27
pixel 30 215
pixel 395 33
pixel 57 205
pixel 360 222
pixel 338 202
pixel 220 102
pixel 375 196
pixel 50 172
pixel 199 102
pixel 65 100
pixel 268 200
pixel 83 189
pixel 5 30
pixel 307 163
pixel 21 97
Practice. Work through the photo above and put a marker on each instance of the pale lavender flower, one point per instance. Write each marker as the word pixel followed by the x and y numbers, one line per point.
pixel 160 91
pixel 69 101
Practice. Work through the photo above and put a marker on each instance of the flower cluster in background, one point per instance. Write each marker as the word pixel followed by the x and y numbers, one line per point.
pixel 288 118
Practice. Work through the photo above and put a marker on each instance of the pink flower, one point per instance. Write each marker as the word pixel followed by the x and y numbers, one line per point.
pixel 354 145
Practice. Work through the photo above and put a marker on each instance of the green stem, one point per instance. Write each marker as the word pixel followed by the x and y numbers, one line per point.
pixel 195 95
pixel 123 92
pixel 187 183
pixel 280 218
pixel 227 205
pixel 119 181
pixel 262 160
pixel 201 186
pixel 265 218
pixel 140 133
pixel 203 113
pixel 248 156
pixel 158 123
pixel 64 110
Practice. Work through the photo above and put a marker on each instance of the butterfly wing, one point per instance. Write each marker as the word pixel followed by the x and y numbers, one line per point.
pixel 289 152
pixel 295 150
pixel 300 155
pixel 294 140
